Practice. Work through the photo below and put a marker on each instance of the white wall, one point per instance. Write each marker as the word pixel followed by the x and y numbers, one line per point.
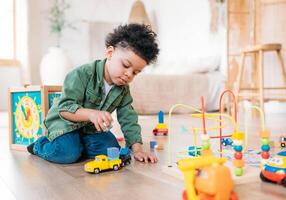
pixel 182 27
pixel 16 75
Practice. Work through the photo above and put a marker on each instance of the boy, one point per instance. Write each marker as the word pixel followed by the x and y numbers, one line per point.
pixel 78 124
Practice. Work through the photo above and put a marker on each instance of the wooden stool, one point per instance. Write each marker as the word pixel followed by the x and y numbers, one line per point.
pixel 256 90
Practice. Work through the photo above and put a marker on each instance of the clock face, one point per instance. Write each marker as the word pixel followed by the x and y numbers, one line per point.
pixel 27 117
pixel 53 98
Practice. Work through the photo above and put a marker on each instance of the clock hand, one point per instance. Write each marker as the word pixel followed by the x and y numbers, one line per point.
pixel 24 112
pixel 28 113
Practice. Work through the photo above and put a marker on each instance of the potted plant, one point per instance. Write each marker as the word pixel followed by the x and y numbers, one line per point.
pixel 55 64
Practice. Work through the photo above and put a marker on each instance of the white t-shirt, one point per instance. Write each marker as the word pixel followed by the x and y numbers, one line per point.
pixel 107 88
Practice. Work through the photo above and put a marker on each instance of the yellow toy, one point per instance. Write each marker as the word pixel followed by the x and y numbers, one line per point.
pixel 101 163
pixel 206 178
pixel 161 127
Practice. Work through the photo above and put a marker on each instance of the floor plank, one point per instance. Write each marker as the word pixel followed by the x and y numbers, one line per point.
pixel 24 176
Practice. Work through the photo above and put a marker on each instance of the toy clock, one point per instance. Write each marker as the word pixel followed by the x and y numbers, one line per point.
pixel 28 107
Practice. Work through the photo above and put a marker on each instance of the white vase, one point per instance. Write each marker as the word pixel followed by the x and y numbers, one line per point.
pixel 54 67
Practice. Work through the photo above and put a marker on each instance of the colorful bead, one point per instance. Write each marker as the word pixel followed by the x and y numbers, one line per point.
pixel 265 154
pixel 238 163
pixel 238 136
pixel 206 145
pixel 238 171
pixel 238 155
pixel 205 137
pixel 265 134
pixel 237 148
pixel 206 152
pixel 265 147
pixel 237 142
pixel 264 141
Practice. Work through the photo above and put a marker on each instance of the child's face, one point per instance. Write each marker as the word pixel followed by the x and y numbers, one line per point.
pixel 122 65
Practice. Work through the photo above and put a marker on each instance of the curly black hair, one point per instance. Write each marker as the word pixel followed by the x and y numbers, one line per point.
pixel 138 37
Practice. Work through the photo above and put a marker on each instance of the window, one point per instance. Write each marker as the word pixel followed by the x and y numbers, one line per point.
pixel 8 33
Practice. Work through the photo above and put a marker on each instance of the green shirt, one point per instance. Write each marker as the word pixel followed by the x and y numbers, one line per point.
pixel 84 88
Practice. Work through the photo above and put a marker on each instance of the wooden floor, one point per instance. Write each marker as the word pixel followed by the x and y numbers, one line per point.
pixel 24 176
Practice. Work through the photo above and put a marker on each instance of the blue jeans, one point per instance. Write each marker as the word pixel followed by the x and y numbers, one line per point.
pixel 69 147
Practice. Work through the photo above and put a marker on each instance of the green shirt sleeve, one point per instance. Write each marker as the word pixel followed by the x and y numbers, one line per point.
pixel 128 120
pixel 73 93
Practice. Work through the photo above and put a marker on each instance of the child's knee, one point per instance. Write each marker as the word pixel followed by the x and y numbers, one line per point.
pixel 65 149
pixel 66 154
pixel 70 157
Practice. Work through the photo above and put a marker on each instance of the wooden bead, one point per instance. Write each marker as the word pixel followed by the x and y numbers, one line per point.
pixel 238 163
pixel 265 154
pixel 238 155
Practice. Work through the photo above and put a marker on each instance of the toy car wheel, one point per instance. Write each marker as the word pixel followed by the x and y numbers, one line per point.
pixel 96 171
pixel 185 196
pixel 263 178
pixel 115 167
pixel 284 182
pixel 122 164
pixel 233 196
pixel 283 145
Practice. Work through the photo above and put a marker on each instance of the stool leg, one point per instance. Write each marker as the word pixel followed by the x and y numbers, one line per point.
pixel 254 78
pixel 261 80
pixel 239 78
pixel 280 58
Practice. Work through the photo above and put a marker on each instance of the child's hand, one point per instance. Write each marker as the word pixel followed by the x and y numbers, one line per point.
pixel 101 119
pixel 145 157
pixel 142 156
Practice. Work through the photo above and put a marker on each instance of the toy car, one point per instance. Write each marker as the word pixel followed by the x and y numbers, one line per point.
pixel 191 150
pixel 226 141
pixel 283 141
pixel 157 131
pixel 161 127
pixel 275 169
pixel 101 163
pixel 125 156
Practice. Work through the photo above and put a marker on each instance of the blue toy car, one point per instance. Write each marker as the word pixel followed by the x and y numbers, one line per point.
pixel 124 156
pixel 191 151
pixel 226 141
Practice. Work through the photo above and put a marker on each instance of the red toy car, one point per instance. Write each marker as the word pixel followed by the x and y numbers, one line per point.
pixel 157 131
pixel 275 169
pixel 283 141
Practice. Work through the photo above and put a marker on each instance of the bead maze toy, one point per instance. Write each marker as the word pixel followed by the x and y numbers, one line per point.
pixel 264 136
pixel 237 135
pixel 161 127
pixel 239 139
